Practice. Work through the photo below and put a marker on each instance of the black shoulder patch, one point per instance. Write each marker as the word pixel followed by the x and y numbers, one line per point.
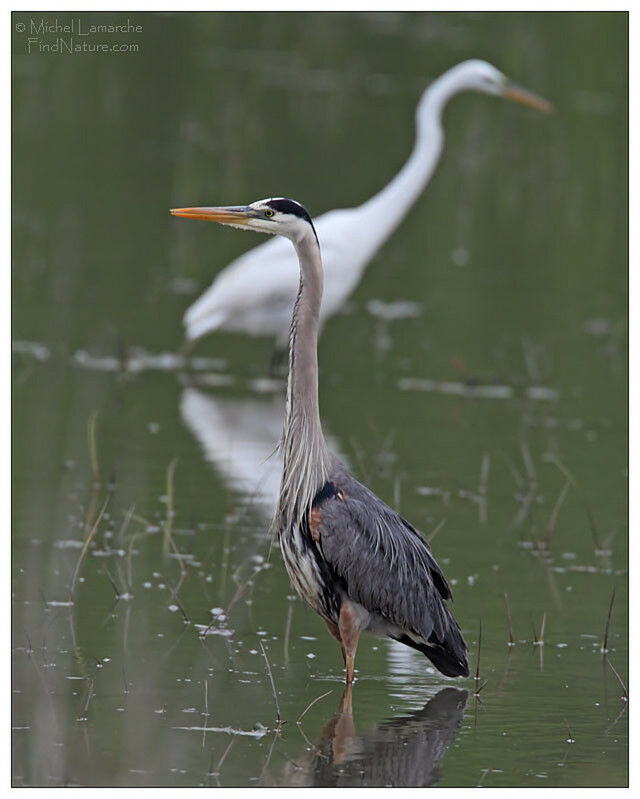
pixel 290 207
pixel 328 491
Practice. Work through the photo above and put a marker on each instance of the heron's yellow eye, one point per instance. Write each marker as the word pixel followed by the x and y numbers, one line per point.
pixel 268 212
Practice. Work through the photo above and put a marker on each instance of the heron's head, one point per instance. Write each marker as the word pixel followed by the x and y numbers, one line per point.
pixel 480 76
pixel 275 215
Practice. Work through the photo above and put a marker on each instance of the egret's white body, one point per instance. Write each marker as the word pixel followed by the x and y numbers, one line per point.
pixel 256 292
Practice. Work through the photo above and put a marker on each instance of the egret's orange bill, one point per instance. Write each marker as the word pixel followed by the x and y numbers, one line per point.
pixel 520 95
pixel 224 215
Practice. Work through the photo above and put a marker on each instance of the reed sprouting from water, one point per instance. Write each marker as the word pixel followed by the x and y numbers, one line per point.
pixel 625 695
pixel 85 546
pixel 93 449
pixel 287 633
pixel 538 640
pixel 553 519
pixel 478 688
pixel 605 640
pixel 168 522
pixel 273 686
pixel 118 593
pixel 509 624
pixel 436 530
pixel 527 488
pixel 571 479
pixel 570 739
pixel 312 703
pixel 482 487
pixel 87 701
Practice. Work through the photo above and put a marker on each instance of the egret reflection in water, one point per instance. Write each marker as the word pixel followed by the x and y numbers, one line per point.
pixel 239 437
pixel 400 752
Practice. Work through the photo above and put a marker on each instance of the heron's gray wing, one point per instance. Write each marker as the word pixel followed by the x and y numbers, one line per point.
pixel 381 560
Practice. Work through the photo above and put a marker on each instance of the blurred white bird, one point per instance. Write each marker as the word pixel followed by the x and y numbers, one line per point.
pixel 255 293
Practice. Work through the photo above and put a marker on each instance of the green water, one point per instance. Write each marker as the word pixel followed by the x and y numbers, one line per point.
pixel 517 257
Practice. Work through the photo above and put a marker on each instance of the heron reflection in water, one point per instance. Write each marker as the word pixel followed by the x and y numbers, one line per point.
pixel 353 559
pixel 400 753
pixel 256 292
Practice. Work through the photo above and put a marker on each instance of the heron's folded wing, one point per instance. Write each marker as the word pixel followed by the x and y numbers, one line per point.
pixel 381 559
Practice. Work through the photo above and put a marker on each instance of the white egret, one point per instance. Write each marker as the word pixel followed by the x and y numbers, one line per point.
pixel 255 293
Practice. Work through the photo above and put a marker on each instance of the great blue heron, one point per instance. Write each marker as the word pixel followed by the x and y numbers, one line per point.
pixel 356 561
pixel 255 293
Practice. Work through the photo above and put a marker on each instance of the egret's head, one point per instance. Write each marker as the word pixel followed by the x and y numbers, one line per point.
pixel 480 76
pixel 276 215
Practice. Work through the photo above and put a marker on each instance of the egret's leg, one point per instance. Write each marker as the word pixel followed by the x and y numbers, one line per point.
pixel 277 364
pixel 349 628
pixel 185 348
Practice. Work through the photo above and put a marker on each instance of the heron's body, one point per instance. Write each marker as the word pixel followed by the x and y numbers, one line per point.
pixel 361 566
pixel 256 292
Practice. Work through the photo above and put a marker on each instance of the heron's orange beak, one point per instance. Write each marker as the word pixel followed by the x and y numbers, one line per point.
pixel 520 95
pixel 230 215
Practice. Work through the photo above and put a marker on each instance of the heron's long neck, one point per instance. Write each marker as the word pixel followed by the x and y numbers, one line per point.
pixel 306 457
pixel 387 209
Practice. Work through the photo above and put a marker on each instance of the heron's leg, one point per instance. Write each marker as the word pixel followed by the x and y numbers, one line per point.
pixel 335 632
pixel 349 628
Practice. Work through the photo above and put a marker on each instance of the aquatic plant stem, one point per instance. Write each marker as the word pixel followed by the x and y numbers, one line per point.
pixel 273 685
pixel 168 523
pixel 605 641
pixel 86 545
pixel 510 626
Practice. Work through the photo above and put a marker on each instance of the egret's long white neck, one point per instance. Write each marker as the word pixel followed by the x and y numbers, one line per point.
pixel 382 214
pixel 306 457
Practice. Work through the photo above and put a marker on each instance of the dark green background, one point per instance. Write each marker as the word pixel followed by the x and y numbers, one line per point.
pixel 225 108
